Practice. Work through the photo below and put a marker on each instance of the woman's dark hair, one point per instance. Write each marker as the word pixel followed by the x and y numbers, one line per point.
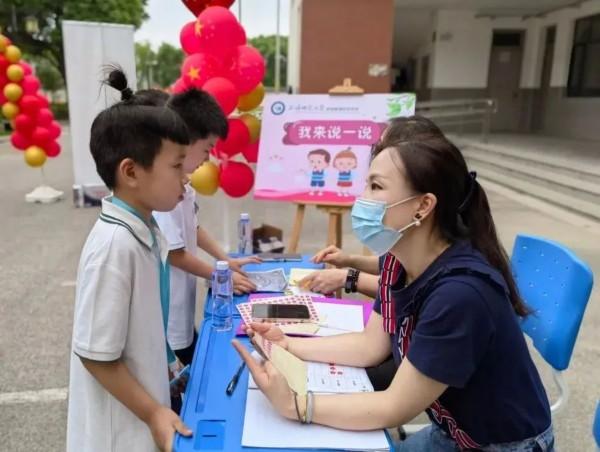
pixel 434 165
pixel 129 130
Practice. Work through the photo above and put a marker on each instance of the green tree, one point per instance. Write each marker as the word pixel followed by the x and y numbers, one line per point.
pixel 48 74
pixel 145 59
pixel 169 60
pixel 46 40
pixel 266 46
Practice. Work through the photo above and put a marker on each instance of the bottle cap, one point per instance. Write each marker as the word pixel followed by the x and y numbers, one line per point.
pixel 244 216
pixel 222 265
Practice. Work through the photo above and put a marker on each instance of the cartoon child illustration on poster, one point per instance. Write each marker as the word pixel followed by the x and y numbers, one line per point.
pixel 345 162
pixel 319 160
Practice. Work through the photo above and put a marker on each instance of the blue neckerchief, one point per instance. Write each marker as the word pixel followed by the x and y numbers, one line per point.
pixel 163 271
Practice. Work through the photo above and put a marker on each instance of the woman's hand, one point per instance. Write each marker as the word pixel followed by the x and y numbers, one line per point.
pixel 241 284
pixel 271 382
pixel 270 332
pixel 332 255
pixel 325 281
pixel 236 264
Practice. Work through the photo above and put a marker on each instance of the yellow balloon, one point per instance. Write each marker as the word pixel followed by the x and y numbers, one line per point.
pixel 205 179
pixel 253 99
pixel 253 124
pixel 35 156
pixel 3 43
pixel 15 72
pixel 10 110
pixel 13 54
pixel 13 92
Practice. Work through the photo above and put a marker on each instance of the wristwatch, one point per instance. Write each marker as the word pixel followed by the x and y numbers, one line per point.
pixel 351 281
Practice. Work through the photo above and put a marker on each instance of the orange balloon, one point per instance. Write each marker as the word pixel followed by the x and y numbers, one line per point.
pixel 253 124
pixel 205 180
pixel 35 156
pixel 3 43
pixel 13 92
pixel 10 110
pixel 253 99
pixel 12 54
pixel 15 72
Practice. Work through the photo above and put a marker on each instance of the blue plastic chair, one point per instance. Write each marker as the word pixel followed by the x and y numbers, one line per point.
pixel 597 425
pixel 556 285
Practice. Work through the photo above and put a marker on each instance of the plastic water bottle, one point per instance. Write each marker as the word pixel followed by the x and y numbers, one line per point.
pixel 244 235
pixel 222 297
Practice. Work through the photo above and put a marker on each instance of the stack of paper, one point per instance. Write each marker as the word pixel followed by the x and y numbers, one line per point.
pixel 269 281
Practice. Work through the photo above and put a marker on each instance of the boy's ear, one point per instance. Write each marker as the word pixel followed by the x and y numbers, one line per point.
pixel 127 173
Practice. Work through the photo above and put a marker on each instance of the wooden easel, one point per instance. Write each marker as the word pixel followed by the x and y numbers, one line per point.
pixel 334 211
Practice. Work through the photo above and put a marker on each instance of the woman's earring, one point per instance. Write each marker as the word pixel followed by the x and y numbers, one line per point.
pixel 417 219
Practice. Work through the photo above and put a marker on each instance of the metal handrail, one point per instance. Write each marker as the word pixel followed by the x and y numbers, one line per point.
pixel 460 112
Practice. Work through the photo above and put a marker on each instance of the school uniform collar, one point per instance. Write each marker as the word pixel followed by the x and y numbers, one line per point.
pixel 117 211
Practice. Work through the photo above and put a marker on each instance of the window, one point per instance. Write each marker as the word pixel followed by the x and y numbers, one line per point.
pixel 584 72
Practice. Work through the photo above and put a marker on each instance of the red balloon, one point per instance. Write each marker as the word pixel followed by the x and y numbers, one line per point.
pixel 20 141
pixel 236 178
pixel 179 86
pixel 188 39
pixel 198 68
pixel 40 137
pixel 237 138
pixel 26 67
pixel 52 149
pixel 3 99
pixel 30 84
pixel 45 117
pixel 44 103
pixel 24 124
pixel 29 104
pixel 224 92
pixel 218 31
pixel 250 152
pixel 195 6
pixel 4 63
pixel 55 129
pixel 223 3
pixel 247 68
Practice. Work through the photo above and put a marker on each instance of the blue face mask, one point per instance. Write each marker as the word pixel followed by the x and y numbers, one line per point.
pixel 367 224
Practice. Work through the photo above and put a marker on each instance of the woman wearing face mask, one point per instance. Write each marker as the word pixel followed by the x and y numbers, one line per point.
pixel 447 309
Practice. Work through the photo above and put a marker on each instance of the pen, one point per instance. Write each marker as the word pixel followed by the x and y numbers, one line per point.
pixel 233 383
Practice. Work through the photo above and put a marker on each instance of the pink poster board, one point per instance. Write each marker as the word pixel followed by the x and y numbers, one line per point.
pixel 315 148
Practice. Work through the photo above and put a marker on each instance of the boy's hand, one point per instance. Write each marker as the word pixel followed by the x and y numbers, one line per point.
pixel 163 424
pixel 237 263
pixel 241 284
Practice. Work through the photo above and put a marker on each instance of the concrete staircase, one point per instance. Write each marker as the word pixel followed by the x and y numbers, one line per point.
pixel 563 179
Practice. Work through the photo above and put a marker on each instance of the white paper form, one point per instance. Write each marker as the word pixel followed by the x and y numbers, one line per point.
pixel 264 427
pixel 269 281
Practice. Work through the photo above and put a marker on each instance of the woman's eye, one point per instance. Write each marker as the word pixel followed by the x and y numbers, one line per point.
pixel 375 186
pixel 178 165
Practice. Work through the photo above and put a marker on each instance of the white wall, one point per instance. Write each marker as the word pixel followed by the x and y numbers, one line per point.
pixel 294 44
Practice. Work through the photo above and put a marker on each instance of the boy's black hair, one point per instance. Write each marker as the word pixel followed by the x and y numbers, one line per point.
pixel 201 114
pixel 129 130
pixel 151 97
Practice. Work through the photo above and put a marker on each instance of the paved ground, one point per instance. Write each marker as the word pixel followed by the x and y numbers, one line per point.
pixel 38 257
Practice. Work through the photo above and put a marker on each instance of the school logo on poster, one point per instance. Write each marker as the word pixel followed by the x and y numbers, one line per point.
pixel 316 148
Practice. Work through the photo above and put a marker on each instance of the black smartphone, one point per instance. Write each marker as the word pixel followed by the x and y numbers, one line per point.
pixel 277 312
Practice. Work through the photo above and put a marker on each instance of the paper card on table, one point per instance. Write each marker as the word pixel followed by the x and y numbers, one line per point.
pixel 269 281
pixel 264 427
pixel 298 274
pixel 339 318
pixel 291 367
pixel 329 378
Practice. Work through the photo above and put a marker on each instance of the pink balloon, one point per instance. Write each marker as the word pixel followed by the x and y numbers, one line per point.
pixel 188 38
pixel 179 86
pixel 218 31
pixel 250 152
pixel 237 138
pixel 26 67
pixel 44 103
pixel 224 92
pixel 55 130
pixel 45 117
pixel 52 149
pixel 20 141
pixel 236 178
pixel 24 124
pixel 40 137
pixel 29 104
pixel 30 84
pixel 197 69
pixel 247 68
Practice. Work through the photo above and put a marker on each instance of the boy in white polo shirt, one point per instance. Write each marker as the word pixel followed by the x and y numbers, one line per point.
pixel 119 383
